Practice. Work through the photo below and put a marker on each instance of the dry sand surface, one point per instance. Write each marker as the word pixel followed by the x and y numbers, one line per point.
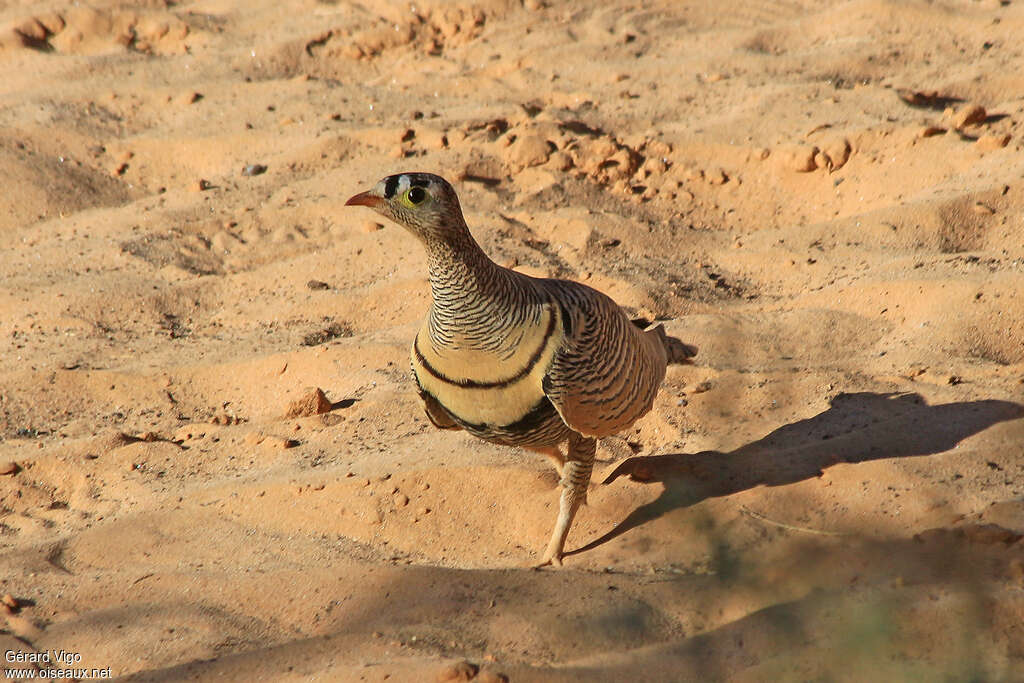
pixel 827 198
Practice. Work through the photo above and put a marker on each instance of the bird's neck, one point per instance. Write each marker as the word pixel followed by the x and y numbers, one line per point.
pixel 474 298
pixel 460 271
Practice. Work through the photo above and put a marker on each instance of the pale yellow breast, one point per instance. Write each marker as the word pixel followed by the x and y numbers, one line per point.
pixel 489 387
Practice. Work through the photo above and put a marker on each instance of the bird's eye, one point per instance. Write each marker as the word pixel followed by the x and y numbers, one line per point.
pixel 416 195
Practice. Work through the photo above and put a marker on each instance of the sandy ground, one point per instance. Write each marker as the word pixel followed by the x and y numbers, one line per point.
pixel 827 198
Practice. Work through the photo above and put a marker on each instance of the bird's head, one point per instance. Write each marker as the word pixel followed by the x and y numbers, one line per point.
pixel 423 203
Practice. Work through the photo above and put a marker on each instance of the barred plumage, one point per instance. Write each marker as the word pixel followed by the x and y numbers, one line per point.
pixel 518 360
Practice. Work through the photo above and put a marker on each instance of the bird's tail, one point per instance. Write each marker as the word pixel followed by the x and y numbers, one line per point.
pixel 677 351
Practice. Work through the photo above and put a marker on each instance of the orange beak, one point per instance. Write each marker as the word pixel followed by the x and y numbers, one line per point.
pixel 364 199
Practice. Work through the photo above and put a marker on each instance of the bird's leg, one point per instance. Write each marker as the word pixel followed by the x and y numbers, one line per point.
pixel 579 461
pixel 554 454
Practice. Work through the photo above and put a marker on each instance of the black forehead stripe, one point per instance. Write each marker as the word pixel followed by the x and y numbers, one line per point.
pixel 390 186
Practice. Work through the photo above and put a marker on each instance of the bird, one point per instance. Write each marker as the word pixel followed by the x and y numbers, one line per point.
pixel 517 360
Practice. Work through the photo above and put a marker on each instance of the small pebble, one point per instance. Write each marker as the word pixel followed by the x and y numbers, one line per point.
pixel 969 115
pixel 799 158
pixel 529 150
pixel 254 169
pixel 992 142
pixel 716 176
pixel 702 387
pixel 9 467
pixel 317 284
pixel 560 161
pixel 458 671
pixel 312 402
pixel 32 28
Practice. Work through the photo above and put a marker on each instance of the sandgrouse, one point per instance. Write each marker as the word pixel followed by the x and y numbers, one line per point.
pixel 518 360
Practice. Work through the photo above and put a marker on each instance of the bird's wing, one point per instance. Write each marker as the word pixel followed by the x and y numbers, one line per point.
pixel 607 371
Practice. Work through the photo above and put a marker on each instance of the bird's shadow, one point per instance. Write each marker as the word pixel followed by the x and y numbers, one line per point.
pixel 856 427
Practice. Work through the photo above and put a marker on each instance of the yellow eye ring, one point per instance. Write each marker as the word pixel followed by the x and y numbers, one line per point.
pixel 415 195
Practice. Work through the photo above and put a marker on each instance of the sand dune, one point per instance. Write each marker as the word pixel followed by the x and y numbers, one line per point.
pixel 825 197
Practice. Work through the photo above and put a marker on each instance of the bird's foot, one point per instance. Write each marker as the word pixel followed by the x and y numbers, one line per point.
pixel 549 559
